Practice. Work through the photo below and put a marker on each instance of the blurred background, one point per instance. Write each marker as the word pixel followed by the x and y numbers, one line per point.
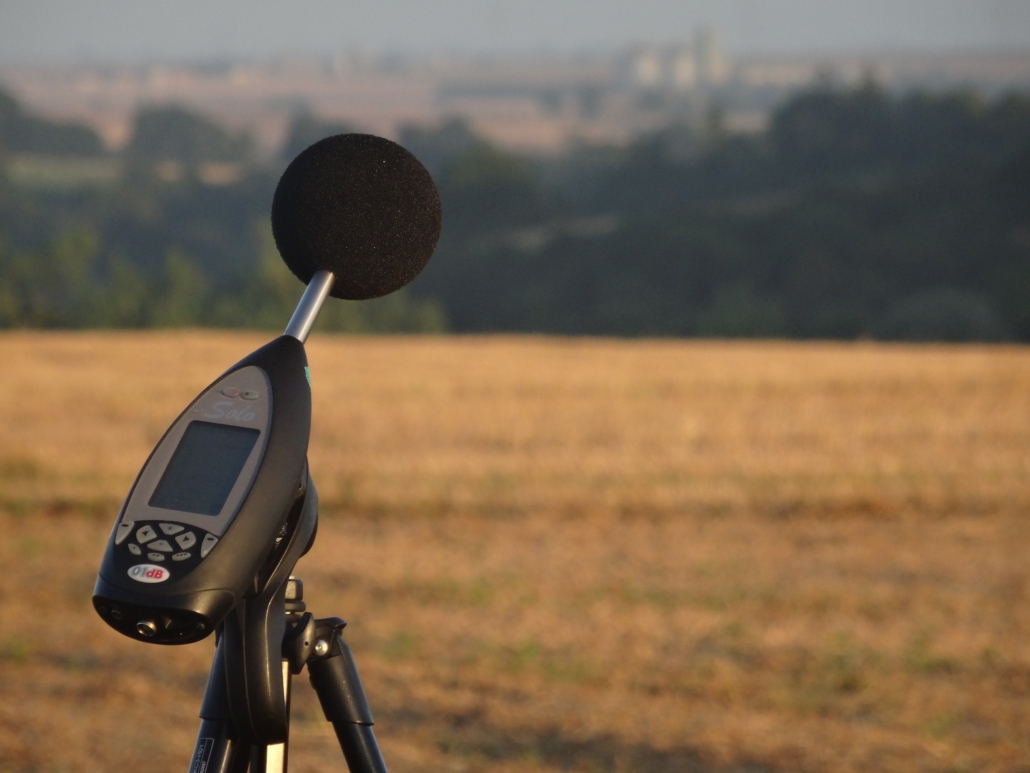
pixel 597 535
pixel 772 168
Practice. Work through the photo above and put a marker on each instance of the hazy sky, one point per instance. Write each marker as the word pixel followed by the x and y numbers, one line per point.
pixel 70 30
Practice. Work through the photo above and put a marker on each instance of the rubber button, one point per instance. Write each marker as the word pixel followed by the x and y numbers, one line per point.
pixel 187 540
pixel 156 556
pixel 210 540
pixel 181 556
pixel 162 544
pixel 230 392
pixel 250 395
pixel 146 534
pixel 134 549
pixel 171 528
pixel 124 530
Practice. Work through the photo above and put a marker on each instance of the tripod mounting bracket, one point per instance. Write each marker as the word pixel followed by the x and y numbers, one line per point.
pixel 255 631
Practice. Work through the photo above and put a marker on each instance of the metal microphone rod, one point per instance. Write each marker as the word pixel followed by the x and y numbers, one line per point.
pixel 304 317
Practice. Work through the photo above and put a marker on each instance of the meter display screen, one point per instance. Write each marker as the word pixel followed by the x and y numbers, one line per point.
pixel 204 468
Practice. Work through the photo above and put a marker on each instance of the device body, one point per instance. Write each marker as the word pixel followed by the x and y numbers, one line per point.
pixel 211 502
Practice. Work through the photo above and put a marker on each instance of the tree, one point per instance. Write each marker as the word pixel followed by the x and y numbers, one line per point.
pixel 182 293
pixel 176 134
pixel 22 133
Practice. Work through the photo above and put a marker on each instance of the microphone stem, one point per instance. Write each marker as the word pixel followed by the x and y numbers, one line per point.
pixel 304 317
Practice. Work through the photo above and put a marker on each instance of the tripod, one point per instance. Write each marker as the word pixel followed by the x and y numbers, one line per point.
pixel 266 640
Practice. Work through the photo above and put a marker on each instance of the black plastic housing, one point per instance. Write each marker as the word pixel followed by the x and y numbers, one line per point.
pixel 187 608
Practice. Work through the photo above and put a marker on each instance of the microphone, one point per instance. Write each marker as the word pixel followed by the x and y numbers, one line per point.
pixel 361 208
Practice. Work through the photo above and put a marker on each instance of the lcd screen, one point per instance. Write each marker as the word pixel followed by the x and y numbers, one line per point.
pixel 204 468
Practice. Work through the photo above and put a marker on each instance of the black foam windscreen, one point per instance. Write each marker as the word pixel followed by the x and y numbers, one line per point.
pixel 361 207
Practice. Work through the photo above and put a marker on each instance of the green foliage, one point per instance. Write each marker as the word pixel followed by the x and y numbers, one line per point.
pixel 53 287
pixel 858 213
pixel 398 312
pixel 176 134
pixel 269 295
pixel 69 284
pixel 182 293
pixel 437 146
pixel 828 131
pixel 942 314
pixel 486 189
pixel 839 222
pixel 738 311
pixel 72 284
pixel 22 133
pixel 127 300
pixel 268 298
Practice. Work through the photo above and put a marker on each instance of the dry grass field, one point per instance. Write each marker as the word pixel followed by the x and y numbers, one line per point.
pixel 564 554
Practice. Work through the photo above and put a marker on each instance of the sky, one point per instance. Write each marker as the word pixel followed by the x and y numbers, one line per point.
pixel 41 31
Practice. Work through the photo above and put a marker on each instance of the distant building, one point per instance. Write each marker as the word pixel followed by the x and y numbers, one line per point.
pixel 643 68
pixel 682 69
pixel 712 67
pixel 676 67
pixel 661 68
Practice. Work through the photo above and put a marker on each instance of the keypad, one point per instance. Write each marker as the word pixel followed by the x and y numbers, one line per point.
pixel 210 540
pixel 187 540
pixel 123 531
pixel 161 542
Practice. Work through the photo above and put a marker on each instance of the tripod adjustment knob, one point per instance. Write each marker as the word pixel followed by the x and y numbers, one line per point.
pixel 294 589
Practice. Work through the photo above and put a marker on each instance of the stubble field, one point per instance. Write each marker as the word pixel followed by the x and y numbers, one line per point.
pixel 563 554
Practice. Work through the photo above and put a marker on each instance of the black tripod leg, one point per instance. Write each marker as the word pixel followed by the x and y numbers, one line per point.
pixel 217 751
pixel 273 758
pixel 360 748
pixel 218 748
pixel 336 681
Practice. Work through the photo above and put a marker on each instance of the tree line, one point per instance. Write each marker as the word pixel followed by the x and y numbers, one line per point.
pixel 858 212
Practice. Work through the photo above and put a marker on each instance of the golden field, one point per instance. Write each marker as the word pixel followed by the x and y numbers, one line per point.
pixel 563 554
